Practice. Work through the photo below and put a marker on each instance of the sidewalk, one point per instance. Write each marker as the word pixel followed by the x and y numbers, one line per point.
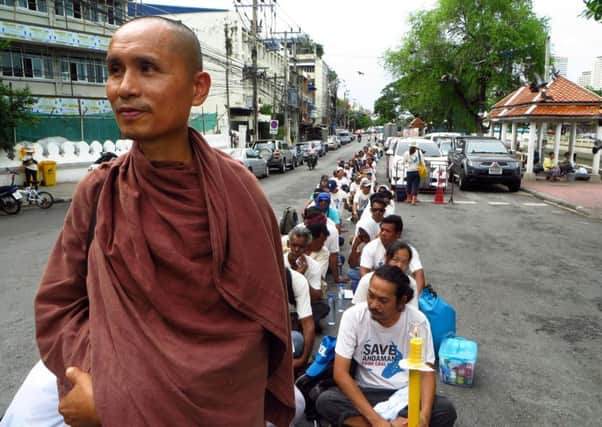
pixel 584 197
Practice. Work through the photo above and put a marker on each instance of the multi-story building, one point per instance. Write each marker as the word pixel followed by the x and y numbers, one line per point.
pixel 561 65
pixel 317 70
pixel 213 28
pixel 597 73
pixel 57 49
pixel 585 79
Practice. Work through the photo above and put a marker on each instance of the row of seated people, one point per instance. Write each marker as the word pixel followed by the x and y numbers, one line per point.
pixel 386 275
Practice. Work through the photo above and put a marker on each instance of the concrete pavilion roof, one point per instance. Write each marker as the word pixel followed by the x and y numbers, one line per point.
pixel 559 99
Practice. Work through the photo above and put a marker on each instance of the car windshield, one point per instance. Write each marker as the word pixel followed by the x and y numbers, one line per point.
pixel 445 147
pixel 263 145
pixel 429 149
pixel 485 147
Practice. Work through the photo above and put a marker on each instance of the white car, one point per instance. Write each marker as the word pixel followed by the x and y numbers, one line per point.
pixel 435 162
pixel 251 159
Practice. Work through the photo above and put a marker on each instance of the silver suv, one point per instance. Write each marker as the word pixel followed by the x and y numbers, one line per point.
pixel 277 153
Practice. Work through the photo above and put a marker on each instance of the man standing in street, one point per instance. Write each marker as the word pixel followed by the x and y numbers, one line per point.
pixel 376 335
pixel 163 301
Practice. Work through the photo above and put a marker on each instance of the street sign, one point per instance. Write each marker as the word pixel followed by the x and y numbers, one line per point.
pixel 273 127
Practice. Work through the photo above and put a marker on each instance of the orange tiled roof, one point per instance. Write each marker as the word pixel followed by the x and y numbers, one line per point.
pixel 560 97
pixel 417 123
pixel 548 110
pixel 559 90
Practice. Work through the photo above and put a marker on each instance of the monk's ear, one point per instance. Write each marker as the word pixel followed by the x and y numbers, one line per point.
pixel 202 84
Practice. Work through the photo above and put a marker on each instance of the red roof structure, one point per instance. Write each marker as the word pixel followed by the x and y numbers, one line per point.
pixel 417 123
pixel 558 99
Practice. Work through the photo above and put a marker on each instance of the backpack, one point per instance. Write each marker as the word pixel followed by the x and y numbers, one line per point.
pixel 289 220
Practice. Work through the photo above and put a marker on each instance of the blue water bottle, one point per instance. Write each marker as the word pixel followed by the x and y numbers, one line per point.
pixel 331 312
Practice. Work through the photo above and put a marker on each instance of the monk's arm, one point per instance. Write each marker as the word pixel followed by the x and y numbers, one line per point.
pixel 61 304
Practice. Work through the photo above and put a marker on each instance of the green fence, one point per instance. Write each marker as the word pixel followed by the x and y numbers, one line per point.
pixel 95 127
pixel 203 122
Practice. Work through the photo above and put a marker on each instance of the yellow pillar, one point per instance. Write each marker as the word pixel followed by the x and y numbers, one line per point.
pixel 415 382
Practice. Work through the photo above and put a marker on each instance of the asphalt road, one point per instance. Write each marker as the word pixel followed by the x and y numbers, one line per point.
pixel 523 276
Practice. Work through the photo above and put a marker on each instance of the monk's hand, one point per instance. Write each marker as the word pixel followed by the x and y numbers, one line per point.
pixel 77 407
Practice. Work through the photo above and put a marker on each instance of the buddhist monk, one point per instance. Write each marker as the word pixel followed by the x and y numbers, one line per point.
pixel 163 301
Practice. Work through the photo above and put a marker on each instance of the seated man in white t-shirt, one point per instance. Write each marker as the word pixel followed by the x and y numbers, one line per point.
pixel 376 335
pixel 398 254
pixel 361 198
pixel 373 255
pixel 371 223
pixel 299 305
pixel 295 258
pixel 317 251
pixel 315 215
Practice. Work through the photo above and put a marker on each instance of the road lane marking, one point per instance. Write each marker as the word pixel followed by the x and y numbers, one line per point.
pixel 498 203
pixel 465 202
pixel 535 204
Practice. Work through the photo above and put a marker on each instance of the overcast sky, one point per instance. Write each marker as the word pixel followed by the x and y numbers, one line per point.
pixel 356 34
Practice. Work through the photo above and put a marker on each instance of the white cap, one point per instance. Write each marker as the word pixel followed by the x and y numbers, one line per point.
pixel 365 182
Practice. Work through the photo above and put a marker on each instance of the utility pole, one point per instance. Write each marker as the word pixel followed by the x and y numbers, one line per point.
pixel 228 53
pixel 254 58
pixel 287 136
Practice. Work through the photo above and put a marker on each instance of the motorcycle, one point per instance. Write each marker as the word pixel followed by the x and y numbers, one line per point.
pixel 10 199
pixel 312 160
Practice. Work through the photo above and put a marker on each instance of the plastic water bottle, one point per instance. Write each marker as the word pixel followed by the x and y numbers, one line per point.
pixel 341 297
pixel 331 312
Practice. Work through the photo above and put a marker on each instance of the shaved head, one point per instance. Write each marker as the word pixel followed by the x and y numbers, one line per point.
pixel 184 39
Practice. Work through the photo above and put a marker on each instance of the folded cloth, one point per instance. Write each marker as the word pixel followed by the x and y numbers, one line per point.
pixel 389 409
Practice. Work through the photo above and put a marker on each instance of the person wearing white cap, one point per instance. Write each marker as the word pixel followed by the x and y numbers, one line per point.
pixel 361 198
pixel 31 168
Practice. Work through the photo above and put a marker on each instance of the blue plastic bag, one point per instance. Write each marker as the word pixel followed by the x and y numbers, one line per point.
pixel 440 314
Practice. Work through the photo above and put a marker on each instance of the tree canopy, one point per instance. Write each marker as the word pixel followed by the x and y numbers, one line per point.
pixel 14 109
pixel 593 9
pixel 460 58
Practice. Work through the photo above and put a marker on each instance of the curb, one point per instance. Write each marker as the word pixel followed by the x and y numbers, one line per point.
pixel 576 208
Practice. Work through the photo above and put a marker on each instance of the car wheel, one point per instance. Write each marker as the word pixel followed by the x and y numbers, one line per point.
pixel 462 183
pixel 293 164
pixel 283 166
pixel 513 187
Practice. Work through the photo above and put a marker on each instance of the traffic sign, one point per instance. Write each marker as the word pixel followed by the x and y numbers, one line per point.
pixel 273 127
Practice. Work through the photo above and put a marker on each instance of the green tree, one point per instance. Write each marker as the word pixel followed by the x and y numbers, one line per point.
pixel 388 105
pixel 15 107
pixel 461 57
pixel 593 9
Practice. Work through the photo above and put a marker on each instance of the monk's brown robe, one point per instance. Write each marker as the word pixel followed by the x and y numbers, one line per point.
pixel 179 310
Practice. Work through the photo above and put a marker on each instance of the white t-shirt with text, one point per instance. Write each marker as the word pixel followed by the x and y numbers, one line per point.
pixel 373 256
pixel 378 350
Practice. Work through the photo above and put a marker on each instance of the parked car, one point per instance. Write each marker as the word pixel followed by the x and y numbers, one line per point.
pixel 478 159
pixel 251 159
pixel 333 142
pixel 277 153
pixel 434 161
pixel 344 136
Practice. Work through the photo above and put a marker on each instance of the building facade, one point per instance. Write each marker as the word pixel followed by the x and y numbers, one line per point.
pixel 597 73
pixel 57 49
pixel 561 65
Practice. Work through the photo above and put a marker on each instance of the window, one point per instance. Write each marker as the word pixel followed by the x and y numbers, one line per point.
pixel 80 69
pixel 25 64
pixel 59 7
pixel 7 65
pixel 38 5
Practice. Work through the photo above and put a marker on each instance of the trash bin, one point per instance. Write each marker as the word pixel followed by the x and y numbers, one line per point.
pixel 48 168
